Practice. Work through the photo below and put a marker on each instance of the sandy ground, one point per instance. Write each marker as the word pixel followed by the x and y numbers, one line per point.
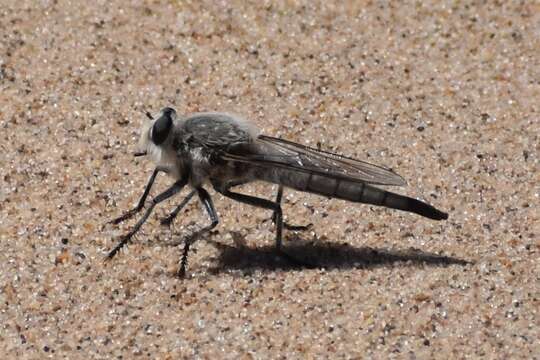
pixel 447 94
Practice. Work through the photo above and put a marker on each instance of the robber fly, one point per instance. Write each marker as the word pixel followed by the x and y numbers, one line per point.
pixel 226 151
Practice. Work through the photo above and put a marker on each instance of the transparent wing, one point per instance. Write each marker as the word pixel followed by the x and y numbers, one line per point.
pixel 273 152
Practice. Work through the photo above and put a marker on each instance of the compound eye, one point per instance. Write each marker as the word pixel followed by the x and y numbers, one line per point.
pixel 161 129
pixel 168 111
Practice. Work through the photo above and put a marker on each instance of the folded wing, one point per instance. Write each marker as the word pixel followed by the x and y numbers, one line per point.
pixel 268 151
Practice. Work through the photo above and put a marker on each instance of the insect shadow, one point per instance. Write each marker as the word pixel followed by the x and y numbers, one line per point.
pixel 320 254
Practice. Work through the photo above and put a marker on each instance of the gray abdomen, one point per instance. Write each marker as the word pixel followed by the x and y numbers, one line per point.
pixel 347 190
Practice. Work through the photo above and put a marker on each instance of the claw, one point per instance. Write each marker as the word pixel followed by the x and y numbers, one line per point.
pixel 297 227
pixel 291 227
pixel 167 221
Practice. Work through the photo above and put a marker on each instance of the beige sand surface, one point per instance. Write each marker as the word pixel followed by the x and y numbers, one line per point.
pixel 447 94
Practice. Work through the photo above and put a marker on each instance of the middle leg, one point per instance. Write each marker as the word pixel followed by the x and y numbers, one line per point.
pixel 169 218
pixel 209 207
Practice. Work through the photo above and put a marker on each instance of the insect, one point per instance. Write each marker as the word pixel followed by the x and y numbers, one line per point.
pixel 225 151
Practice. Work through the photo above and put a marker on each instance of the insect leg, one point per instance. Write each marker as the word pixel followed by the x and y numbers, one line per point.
pixel 169 219
pixel 287 226
pixel 265 204
pixel 129 214
pixel 171 191
pixel 209 207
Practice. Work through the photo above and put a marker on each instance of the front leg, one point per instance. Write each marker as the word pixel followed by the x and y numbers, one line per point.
pixel 129 214
pixel 174 189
